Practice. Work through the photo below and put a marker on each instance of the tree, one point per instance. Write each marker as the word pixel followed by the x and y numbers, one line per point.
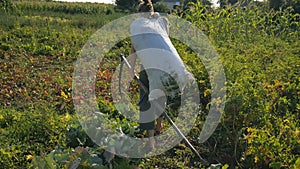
pixel 154 1
pixel 277 4
pixel 161 7
pixel 127 4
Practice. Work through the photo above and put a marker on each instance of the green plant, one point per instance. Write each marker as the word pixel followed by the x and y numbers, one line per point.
pixel 259 49
pixel 6 6
pixel 25 134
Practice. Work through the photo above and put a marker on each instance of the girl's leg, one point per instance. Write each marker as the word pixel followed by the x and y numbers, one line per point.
pixel 159 125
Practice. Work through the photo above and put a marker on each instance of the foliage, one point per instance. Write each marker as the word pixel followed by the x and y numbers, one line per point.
pixel 279 4
pixel 85 155
pixel 132 5
pixel 260 53
pixel 127 5
pixel 276 143
pixel 6 6
pixel 65 7
pixel 27 133
pixel 204 2
pixel 161 7
pixel 261 82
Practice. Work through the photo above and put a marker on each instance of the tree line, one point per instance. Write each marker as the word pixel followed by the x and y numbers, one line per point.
pixel 272 4
pixel 130 5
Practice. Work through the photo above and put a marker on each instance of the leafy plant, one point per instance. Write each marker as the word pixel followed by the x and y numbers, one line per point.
pixel 6 6
pixel 259 48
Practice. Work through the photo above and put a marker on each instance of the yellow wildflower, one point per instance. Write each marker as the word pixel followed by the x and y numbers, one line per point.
pixel 63 94
pixel 29 157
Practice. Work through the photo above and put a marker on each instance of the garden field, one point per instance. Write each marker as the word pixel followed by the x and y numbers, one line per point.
pixel 260 52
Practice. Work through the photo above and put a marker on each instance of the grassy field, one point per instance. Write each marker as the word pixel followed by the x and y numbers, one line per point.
pixel 259 49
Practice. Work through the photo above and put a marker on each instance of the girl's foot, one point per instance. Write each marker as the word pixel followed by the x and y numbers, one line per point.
pixel 150 145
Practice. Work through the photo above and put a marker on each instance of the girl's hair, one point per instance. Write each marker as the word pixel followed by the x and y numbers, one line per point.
pixel 145 6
